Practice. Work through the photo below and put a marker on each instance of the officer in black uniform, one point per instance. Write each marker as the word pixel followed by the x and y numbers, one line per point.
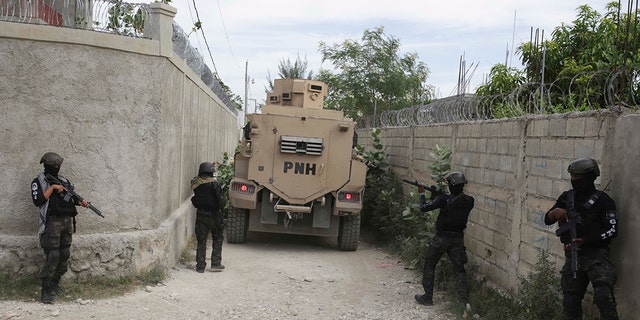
pixel 449 238
pixel 209 200
pixel 57 211
pixel 597 225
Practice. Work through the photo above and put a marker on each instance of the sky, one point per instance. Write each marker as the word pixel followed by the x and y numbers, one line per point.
pixel 253 36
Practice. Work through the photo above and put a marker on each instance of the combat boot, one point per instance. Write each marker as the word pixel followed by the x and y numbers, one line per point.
pixel 424 300
pixel 217 267
pixel 46 296
pixel 55 287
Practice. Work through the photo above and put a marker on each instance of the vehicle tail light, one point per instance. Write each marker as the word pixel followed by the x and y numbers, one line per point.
pixel 349 196
pixel 243 188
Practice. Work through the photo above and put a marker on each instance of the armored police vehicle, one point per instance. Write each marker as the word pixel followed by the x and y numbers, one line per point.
pixel 297 171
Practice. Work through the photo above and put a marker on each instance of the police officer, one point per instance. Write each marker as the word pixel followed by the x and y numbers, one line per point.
pixel 57 211
pixel 597 225
pixel 209 200
pixel 449 238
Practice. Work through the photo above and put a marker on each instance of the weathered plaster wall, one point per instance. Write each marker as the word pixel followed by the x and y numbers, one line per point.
pixel 132 122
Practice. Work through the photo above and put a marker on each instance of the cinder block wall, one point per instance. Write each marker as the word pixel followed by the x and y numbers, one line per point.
pixel 516 169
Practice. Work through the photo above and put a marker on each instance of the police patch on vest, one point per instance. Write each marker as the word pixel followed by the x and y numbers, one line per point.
pixel 611 215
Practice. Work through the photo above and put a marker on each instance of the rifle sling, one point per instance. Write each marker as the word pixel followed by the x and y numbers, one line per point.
pixel 592 200
pixel 570 207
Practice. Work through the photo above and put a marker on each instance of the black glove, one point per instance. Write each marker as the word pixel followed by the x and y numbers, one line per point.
pixel 433 193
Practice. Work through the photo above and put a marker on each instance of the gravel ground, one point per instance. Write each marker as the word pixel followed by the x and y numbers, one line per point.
pixel 270 277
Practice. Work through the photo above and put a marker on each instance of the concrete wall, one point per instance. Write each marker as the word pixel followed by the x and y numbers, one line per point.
pixel 516 169
pixel 626 187
pixel 132 122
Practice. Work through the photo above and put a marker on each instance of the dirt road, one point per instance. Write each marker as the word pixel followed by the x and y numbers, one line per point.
pixel 269 277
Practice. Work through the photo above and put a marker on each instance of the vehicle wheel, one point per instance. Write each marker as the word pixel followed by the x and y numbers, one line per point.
pixel 349 233
pixel 237 225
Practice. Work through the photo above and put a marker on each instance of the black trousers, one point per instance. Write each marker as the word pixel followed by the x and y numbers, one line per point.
pixel 208 222
pixel 454 247
pixel 594 267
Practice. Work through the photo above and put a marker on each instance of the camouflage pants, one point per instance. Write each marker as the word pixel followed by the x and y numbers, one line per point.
pixel 56 241
pixel 454 247
pixel 594 267
pixel 208 222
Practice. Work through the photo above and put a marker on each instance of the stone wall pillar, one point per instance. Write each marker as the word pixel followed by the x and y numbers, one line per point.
pixel 160 26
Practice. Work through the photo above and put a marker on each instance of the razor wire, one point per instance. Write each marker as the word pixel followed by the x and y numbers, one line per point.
pixel 110 16
pixel 183 48
pixel 614 89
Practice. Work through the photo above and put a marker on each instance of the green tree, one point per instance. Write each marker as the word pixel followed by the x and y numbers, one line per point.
pixel 579 60
pixel 502 81
pixel 297 69
pixel 373 76
pixel 589 41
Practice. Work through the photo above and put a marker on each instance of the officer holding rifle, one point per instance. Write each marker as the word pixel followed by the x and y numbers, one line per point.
pixel 449 238
pixel 587 221
pixel 54 195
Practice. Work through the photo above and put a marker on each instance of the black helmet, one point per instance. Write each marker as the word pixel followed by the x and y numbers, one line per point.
pixel 456 178
pixel 584 166
pixel 51 159
pixel 206 167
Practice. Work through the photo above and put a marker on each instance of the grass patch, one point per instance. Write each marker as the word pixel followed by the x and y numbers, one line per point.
pixel 27 288
pixel 23 288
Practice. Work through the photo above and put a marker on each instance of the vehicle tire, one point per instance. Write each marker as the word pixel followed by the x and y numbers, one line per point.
pixel 349 233
pixel 237 225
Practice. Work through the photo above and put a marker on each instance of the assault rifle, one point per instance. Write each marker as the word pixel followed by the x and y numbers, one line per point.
pixel 433 189
pixel 575 219
pixel 571 225
pixel 70 193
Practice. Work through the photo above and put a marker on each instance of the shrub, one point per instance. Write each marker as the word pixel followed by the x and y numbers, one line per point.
pixel 383 194
pixel 224 174
pixel 539 294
